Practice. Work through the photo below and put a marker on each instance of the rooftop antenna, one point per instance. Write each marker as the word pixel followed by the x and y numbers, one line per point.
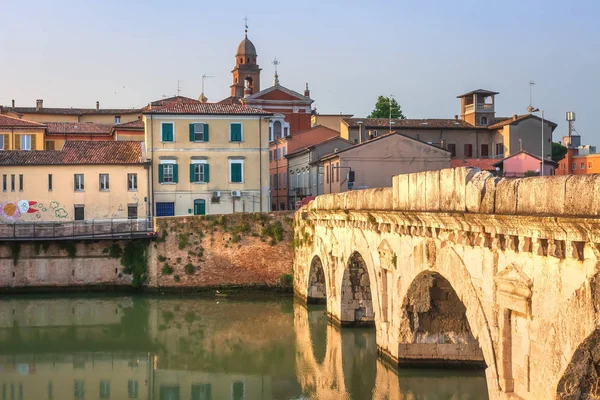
pixel 203 78
pixel 178 87
pixel 531 83
pixel 276 62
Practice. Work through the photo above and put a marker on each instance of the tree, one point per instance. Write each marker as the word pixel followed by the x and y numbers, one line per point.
pixel 558 151
pixel 382 109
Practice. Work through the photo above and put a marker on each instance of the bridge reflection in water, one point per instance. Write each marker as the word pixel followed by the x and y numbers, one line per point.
pixel 174 348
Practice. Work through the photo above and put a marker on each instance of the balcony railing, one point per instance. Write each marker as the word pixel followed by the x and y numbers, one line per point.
pixel 480 107
pixel 86 229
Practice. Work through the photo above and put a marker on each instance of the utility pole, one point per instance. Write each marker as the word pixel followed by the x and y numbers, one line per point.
pixel 390 101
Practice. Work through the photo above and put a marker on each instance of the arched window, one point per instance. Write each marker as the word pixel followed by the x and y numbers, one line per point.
pixel 277 129
pixel 241 60
pixel 484 121
pixel 247 60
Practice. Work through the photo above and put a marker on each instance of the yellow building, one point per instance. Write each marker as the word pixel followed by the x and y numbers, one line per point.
pixel 18 134
pixel 207 158
pixel 85 180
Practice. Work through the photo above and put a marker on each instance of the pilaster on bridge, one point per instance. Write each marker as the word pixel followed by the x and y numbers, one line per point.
pixel 458 268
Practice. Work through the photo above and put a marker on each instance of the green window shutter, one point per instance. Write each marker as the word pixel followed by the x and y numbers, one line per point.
pixel 161 173
pixel 167 132
pixel 206 132
pixel 206 173
pixel 236 172
pixel 192 173
pixel 191 132
pixel 236 132
pixel 175 173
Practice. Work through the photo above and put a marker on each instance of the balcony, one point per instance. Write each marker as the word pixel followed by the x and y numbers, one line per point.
pixel 302 191
pixel 86 229
pixel 489 107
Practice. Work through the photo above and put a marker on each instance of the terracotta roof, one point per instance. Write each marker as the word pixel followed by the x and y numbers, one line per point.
pixel 11 122
pixel 71 111
pixel 478 91
pixel 517 118
pixel 185 105
pixel 138 124
pixel 484 164
pixel 168 100
pixel 78 128
pixel 409 123
pixel 312 146
pixel 78 152
pixel 246 48
pixel 231 100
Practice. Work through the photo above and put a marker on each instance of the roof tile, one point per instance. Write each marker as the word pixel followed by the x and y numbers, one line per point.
pixel 11 122
pixel 484 164
pixel 185 105
pixel 409 123
pixel 78 128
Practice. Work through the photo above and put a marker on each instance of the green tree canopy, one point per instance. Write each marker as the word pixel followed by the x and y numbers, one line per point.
pixel 558 151
pixel 382 108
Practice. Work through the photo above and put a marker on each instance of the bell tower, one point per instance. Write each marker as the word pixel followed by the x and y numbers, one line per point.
pixel 246 74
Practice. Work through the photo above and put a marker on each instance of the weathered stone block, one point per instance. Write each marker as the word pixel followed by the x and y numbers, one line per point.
pixel 401 191
pixel 545 195
pixel 432 190
pixel 582 195
pixel 476 190
pixel 447 189
pixel 506 196
pixel 488 204
pixel 396 194
pixel 416 192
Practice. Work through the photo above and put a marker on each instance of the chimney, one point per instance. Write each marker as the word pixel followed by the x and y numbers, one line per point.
pixel 456 117
pixel 306 91
pixel 443 144
pixel 97 105
pixel 39 104
pixel 515 116
pixel 13 103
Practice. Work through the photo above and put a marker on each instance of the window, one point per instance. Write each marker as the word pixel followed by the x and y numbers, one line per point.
pixel 199 172
pixel 286 130
pixel 104 389
pixel 12 182
pixel 1 142
pixel 337 173
pixel 49 182
pixel 117 119
pixel 235 132
pixel 582 165
pixel 104 182
pixel 20 182
pixel 327 174
pixel 50 145
pixel 468 150
pixel 589 165
pixel 278 153
pixel 79 185
pixel 452 149
pixel 167 132
pixel 237 391
pixel 168 172
pixel 131 181
pixel 165 209
pixel 499 149
pixel 270 156
pixel 4 182
pixel 277 129
pixel 574 166
pixel 79 212
pixel 484 121
pixel 236 168
pixel 198 132
pixel 484 150
pixel 282 206
pixel 132 211
pixel 132 389
pixel 284 149
pixel 202 391
pixel 284 180
pixel 276 181
pixel 78 390
pixel 25 142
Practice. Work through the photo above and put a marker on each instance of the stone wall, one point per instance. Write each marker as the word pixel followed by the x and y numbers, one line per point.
pixel 243 249
pixel 60 264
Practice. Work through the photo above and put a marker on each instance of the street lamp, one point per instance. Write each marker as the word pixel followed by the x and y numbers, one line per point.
pixel 531 109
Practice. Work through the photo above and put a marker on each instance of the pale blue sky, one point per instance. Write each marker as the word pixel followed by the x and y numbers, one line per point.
pixel 127 53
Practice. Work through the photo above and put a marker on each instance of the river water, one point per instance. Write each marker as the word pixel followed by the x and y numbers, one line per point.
pixel 183 347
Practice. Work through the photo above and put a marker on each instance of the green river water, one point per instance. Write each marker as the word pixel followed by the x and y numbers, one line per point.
pixel 183 347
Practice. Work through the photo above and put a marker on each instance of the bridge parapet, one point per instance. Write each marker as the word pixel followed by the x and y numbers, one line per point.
pixel 473 191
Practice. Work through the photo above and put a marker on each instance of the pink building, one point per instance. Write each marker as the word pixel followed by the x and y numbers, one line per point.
pixel 524 163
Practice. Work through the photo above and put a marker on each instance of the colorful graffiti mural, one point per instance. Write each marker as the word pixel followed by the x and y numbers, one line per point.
pixel 13 211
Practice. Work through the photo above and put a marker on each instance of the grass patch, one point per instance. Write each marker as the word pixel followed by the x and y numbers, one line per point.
pixel 166 269
pixel 189 268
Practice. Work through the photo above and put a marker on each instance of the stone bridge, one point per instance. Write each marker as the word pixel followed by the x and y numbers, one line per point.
pixel 457 268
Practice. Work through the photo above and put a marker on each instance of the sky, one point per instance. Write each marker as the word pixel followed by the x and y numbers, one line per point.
pixel 127 53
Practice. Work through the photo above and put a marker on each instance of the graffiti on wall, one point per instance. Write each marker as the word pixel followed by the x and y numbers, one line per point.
pixel 12 211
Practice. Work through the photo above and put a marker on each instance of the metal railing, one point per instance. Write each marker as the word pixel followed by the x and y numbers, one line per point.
pixel 86 229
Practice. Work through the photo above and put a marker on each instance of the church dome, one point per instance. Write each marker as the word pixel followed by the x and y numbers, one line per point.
pixel 246 48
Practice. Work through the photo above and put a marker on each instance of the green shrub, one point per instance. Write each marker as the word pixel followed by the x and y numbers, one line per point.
pixel 69 247
pixel 286 280
pixel 178 260
pixel 177 278
pixel 115 251
pixel 161 258
pixel 183 241
pixel 274 231
pixel 37 246
pixel 167 269
pixel 15 250
pixel 134 262
pixel 236 238
pixel 189 268
pixel 163 237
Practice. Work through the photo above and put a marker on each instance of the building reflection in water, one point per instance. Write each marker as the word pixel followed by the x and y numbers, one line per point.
pixel 174 348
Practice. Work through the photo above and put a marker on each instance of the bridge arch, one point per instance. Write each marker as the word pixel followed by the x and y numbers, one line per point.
pixel 581 378
pixel 317 285
pixel 448 265
pixel 356 298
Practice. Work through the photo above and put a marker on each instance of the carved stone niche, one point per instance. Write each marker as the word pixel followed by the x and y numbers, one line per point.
pixel 386 255
pixel 514 290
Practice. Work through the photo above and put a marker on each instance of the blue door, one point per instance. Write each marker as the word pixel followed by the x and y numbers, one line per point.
pixel 165 209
